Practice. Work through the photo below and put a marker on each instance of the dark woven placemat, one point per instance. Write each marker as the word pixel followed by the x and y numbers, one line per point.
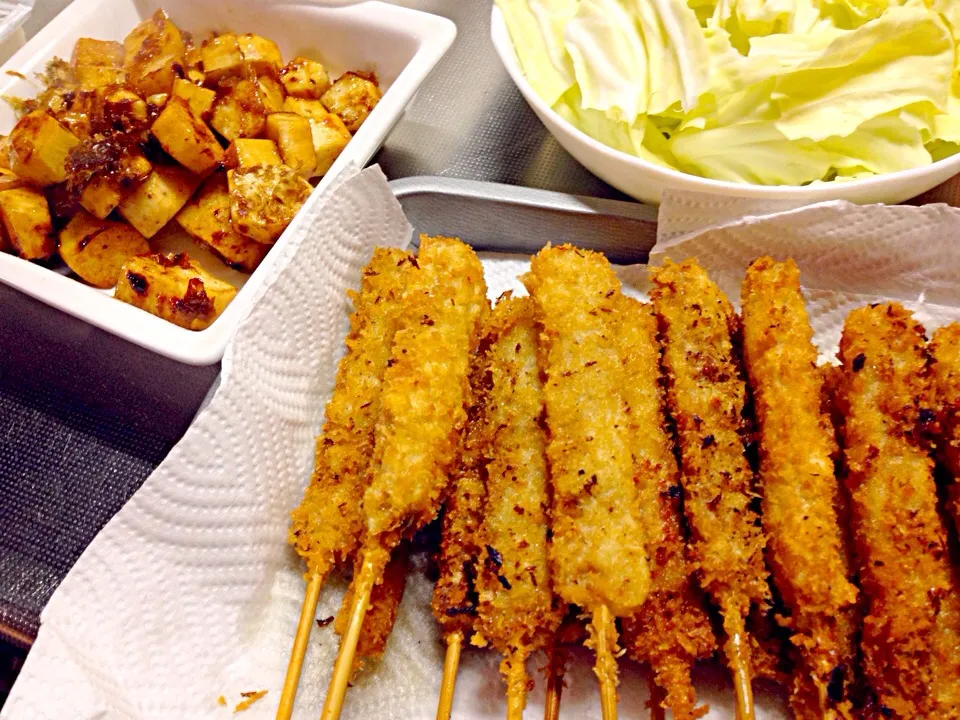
pixel 84 418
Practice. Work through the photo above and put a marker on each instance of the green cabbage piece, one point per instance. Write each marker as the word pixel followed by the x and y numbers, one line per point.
pixel 772 92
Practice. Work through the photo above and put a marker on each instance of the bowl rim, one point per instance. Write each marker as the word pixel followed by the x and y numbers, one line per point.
pixel 503 44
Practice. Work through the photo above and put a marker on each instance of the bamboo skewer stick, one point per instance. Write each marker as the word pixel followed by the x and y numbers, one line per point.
pixel 451 664
pixel 605 639
pixel 343 667
pixel 307 614
pixel 739 659
pixel 555 672
pixel 516 684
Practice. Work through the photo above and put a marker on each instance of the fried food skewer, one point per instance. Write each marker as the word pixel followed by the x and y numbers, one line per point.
pixel 424 407
pixel 516 609
pixel 598 555
pixel 326 527
pixel 809 560
pixel 945 349
pixel 454 597
pixel 672 630
pixel 912 628
pixel 706 396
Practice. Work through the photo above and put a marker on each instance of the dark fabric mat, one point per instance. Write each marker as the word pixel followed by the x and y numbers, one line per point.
pixel 84 419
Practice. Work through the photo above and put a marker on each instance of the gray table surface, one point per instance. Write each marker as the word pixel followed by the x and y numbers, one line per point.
pixel 85 417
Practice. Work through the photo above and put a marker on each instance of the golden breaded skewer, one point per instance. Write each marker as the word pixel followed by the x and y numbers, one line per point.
pixel 382 614
pixel 806 549
pixel 454 596
pixel 672 630
pixel 598 555
pixel 326 528
pixel 912 629
pixel 424 407
pixel 706 396
pixel 516 609
pixel 945 349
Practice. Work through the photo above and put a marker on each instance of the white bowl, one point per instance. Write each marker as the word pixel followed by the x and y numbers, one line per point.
pixel 646 181
pixel 400 44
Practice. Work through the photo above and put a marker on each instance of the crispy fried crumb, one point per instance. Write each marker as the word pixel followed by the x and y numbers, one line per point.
pixel 250 698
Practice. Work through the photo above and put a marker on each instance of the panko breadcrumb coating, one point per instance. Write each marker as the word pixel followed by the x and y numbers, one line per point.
pixel 911 633
pixel 454 595
pixel 517 612
pixel 598 554
pixel 706 396
pixel 672 630
pixel 425 395
pixel 945 349
pixel 806 548
pixel 327 525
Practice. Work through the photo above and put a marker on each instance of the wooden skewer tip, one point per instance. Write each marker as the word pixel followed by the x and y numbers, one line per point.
pixel 343 667
pixel 307 614
pixel 451 664
pixel 605 639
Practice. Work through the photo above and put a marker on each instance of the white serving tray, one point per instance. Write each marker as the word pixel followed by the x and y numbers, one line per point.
pixel 401 45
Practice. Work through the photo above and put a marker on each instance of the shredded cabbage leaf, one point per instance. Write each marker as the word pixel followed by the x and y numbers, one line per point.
pixel 768 92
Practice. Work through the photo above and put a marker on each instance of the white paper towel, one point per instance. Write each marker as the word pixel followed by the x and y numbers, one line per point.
pixel 191 592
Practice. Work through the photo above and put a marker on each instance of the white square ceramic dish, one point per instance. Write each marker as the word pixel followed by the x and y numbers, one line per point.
pixel 401 45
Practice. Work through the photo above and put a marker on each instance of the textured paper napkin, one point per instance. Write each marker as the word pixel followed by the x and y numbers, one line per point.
pixel 191 592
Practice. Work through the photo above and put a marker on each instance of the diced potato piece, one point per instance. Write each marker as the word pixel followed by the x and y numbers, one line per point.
pixel 264 199
pixel 238 110
pixel 352 97
pixel 120 109
pixel 261 55
pixel 292 134
pixel 195 76
pixel 330 137
pixel 174 288
pixel 186 138
pixel 40 146
pixel 10 181
pixel 194 60
pixel 97 53
pixel 304 78
pixel 102 195
pixel 5 150
pixel 271 92
pixel 91 77
pixel 154 55
pixel 207 219
pixel 96 249
pixel 199 98
pixel 159 198
pixel 222 58
pixel 310 109
pixel 27 223
pixel 245 153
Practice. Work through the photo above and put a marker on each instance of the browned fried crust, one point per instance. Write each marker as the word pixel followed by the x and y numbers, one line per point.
pixel 672 630
pixel 425 395
pixel 382 614
pixel 517 613
pixel 327 526
pixel 706 396
pixel 912 629
pixel 945 349
pixel 806 549
pixel 454 596
pixel 598 554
